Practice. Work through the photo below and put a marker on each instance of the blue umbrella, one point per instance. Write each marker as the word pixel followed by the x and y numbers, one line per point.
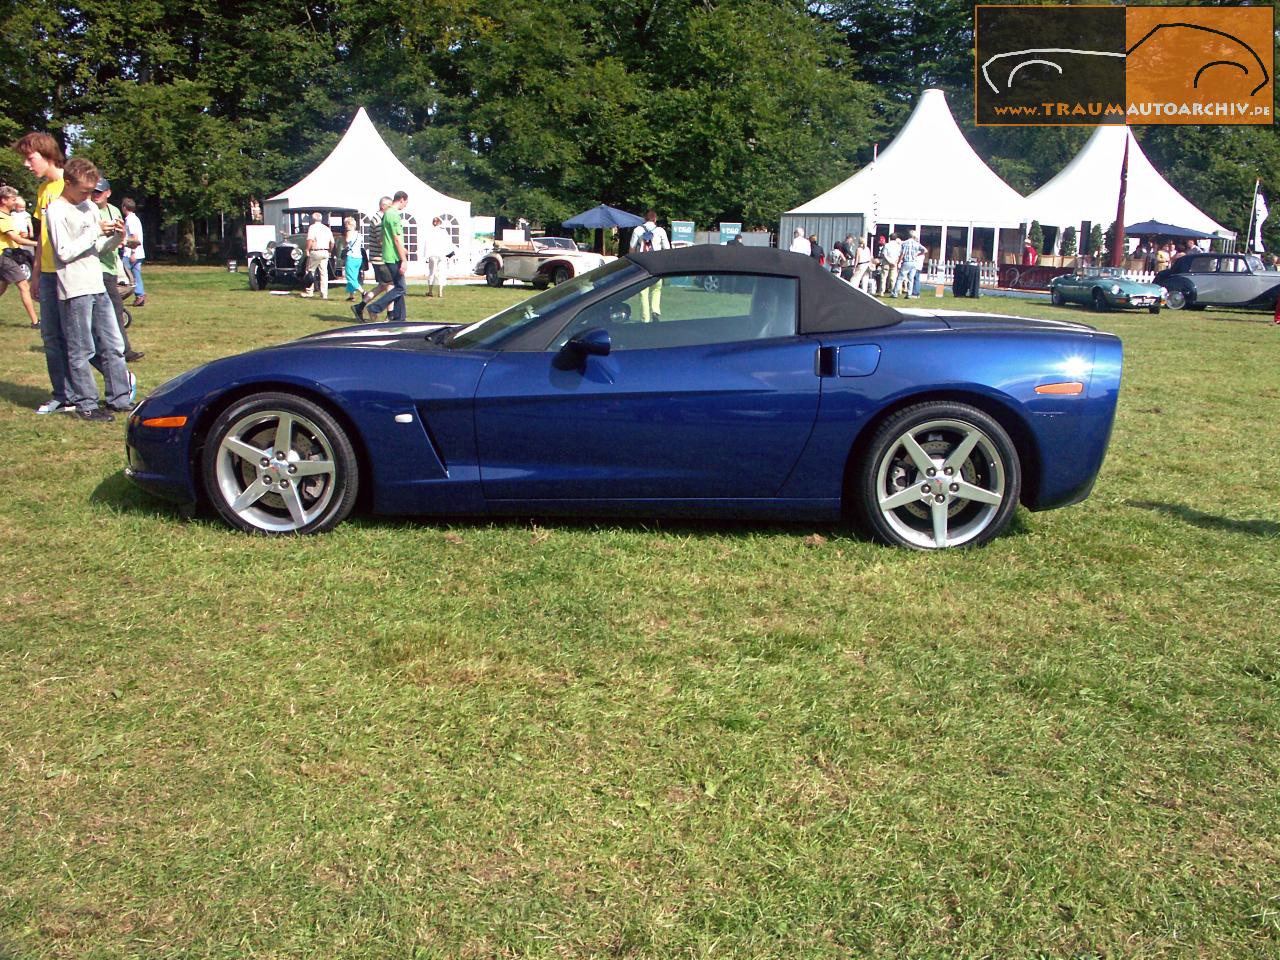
pixel 603 217
pixel 1156 228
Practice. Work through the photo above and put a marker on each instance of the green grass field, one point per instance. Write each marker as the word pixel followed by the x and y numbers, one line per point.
pixel 553 739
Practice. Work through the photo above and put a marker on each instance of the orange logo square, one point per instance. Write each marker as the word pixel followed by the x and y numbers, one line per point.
pixel 1199 64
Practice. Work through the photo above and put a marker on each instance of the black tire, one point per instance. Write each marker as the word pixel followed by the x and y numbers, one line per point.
pixel 492 275
pixel 1100 301
pixel 1177 299
pixel 561 275
pixel 1155 309
pixel 1057 298
pixel 257 275
pixel 126 318
pixel 966 507
pixel 310 488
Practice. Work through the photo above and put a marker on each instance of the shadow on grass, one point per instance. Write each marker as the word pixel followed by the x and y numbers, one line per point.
pixel 20 396
pixel 1209 521
pixel 117 492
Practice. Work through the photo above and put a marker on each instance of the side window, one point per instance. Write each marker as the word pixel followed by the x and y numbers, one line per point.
pixel 692 310
pixel 1203 265
pixel 1228 265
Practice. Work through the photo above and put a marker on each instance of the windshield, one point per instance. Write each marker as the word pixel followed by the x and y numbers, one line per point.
pixel 491 331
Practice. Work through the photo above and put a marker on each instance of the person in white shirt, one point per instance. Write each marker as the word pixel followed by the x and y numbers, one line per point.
pixel 891 258
pixel 134 251
pixel 79 237
pixel 861 264
pixel 437 248
pixel 19 216
pixel 644 239
pixel 800 243
pixel 319 250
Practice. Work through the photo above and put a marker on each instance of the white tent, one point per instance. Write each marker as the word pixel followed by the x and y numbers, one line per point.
pixel 1087 190
pixel 362 169
pixel 928 179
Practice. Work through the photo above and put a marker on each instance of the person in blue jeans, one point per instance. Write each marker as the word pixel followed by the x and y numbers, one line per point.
pixel 134 251
pixel 393 258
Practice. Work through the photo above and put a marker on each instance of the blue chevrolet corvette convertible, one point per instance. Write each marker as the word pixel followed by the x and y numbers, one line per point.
pixel 640 389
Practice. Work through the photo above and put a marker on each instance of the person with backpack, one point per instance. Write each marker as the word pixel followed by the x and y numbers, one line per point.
pixel 644 239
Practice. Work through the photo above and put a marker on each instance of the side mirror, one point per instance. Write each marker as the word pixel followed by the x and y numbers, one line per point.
pixel 591 343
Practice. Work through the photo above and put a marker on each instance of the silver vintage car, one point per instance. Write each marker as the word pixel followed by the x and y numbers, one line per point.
pixel 1199 280
pixel 542 261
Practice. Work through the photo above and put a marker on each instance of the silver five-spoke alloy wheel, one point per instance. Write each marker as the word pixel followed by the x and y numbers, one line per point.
pixel 940 475
pixel 277 463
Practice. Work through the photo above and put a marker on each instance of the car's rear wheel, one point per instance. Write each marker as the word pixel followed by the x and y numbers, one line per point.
pixel 937 475
pixel 492 275
pixel 276 463
pixel 1177 298
pixel 126 318
pixel 1100 301
pixel 257 276
pixel 561 275
pixel 1057 298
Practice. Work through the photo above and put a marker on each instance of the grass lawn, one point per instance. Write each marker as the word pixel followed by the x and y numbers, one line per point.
pixel 554 739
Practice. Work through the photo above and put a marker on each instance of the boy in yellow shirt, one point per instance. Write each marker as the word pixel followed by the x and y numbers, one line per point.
pixel 41 155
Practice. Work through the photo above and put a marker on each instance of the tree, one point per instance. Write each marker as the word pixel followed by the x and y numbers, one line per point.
pixel 1069 242
pixel 1036 235
pixel 1096 248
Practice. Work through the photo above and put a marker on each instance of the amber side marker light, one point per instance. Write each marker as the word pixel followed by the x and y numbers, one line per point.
pixel 178 421
pixel 1069 389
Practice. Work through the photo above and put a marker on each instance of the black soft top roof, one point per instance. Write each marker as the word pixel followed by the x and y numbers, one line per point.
pixel 827 303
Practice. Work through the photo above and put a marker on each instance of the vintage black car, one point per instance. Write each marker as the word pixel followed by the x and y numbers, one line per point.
pixel 284 262
pixel 1199 280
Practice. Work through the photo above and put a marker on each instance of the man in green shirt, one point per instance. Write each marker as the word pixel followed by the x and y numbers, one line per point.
pixel 111 267
pixel 393 258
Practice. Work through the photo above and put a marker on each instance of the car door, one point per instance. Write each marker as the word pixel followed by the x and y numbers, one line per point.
pixel 703 394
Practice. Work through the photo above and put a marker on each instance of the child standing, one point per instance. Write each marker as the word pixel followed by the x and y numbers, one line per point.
pixel 78 238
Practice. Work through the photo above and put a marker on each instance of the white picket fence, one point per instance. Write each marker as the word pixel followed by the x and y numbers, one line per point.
pixel 938 271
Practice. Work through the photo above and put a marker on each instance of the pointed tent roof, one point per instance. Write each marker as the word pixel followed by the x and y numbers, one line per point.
pixel 1088 188
pixel 359 171
pixel 928 174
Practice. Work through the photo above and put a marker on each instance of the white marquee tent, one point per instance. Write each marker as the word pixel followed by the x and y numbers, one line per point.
pixel 360 170
pixel 1087 190
pixel 928 179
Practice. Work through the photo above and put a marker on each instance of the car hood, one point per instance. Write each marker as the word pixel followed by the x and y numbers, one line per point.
pixel 963 320
pixel 369 335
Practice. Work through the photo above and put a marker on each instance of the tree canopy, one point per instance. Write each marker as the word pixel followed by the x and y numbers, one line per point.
pixel 704 109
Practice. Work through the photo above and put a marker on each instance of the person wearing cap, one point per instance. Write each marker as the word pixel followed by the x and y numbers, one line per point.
pixel 112 267
pixel 437 248
pixel 17 252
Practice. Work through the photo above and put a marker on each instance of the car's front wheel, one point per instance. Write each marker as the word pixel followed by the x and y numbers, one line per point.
pixel 1057 298
pixel 277 463
pixel 492 274
pixel 561 275
pixel 1177 298
pixel 937 475
pixel 1100 301
pixel 257 275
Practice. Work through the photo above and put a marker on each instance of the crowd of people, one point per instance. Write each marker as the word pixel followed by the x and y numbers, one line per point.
pixel 389 258
pixel 73 250
pixel 894 267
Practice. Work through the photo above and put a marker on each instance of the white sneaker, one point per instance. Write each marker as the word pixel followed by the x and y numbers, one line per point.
pixel 55 406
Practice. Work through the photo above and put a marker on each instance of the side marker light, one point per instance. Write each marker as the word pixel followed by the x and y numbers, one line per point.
pixel 1071 388
pixel 170 422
